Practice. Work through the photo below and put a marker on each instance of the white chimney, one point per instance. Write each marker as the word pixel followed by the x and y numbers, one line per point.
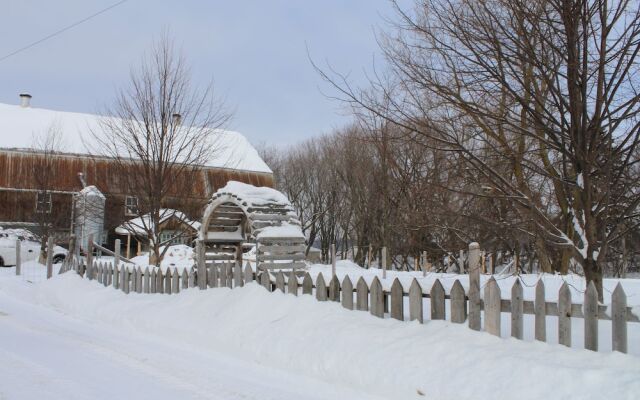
pixel 25 100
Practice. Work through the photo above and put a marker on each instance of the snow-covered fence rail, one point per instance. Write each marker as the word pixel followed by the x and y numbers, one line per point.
pixel 399 302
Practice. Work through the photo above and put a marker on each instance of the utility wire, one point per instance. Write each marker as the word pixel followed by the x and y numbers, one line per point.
pixel 66 28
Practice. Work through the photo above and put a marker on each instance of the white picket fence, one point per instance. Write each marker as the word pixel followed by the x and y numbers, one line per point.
pixel 360 295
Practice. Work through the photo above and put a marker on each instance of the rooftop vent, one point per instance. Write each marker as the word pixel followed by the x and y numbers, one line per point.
pixel 25 100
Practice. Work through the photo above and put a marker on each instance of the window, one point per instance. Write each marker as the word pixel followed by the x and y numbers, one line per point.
pixel 131 205
pixel 43 202
pixel 178 237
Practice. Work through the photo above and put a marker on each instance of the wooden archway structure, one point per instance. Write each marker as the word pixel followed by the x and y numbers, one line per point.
pixel 240 213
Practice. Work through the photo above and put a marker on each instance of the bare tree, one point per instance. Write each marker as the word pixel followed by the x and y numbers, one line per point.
pixel 159 133
pixel 545 91
pixel 46 144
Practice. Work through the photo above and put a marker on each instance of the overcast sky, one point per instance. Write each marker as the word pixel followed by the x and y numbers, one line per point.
pixel 256 51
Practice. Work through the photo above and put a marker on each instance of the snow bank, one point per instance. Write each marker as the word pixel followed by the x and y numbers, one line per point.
pixel 178 256
pixel 391 359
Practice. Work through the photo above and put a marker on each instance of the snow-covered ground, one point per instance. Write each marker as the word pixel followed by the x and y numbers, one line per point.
pixel 75 339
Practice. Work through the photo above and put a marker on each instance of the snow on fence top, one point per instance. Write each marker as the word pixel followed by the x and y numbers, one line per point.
pixel 20 125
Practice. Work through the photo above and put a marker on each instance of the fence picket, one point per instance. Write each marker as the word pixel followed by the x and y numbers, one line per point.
pixel 564 315
pixel 540 311
pixel 492 307
pixel 228 268
pixel 396 309
pixel 175 281
pixel 362 295
pixel 334 289
pixel 237 274
pixel 437 301
pixel 99 273
pixel 307 284
pixel 458 303
pixel 154 280
pixel 147 281
pixel 167 281
pixel 116 277
pixel 212 281
pixel 321 288
pixel 590 311
pixel 139 280
pixel 110 276
pixel 347 293
pixel 159 281
pixel 292 283
pixel 415 302
pixel 192 277
pixel 248 273
pixel 125 279
pixel 265 280
pixel 619 319
pixel 517 309
pixel 377 298
pixel 185 279
pixel 280 281
pixel 222 276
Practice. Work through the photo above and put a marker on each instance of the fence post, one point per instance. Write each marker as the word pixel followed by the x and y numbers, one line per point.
pixel 89 256
pixel 333 260
pixel 619 319
pixel 202 266
pixel 147 280
pixel 18 258
pixel 384 262
pixel 307 284
pixel 474 286
pixel 540 311
pixel 362 295
pixel 116 258
pixel 280 281
pixel 424 264
pixel 248 273
pixel 49 257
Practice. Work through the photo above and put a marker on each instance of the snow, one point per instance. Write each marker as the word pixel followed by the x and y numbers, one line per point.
pixel 283 231
pixel 91 191
pixel 254 195
pixel 18 125
pixel 74 339
pixel 140 225
pixel 177 256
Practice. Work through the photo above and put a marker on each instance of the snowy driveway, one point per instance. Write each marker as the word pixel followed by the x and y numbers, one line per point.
pixel 45 354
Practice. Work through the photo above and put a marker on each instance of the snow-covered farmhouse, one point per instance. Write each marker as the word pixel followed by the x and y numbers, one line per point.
pixel 74 169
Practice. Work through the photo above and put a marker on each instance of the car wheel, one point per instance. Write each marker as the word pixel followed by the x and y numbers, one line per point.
pixel 58 259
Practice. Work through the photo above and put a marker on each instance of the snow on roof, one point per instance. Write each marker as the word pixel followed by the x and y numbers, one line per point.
pixel 91 191
pixel 19 125
pixel 137 225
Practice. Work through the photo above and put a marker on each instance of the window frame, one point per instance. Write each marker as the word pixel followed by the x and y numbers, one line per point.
pixel 130 210
pixel 39 209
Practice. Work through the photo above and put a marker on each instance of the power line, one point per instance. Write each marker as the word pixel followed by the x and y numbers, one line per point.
pixel 66 28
